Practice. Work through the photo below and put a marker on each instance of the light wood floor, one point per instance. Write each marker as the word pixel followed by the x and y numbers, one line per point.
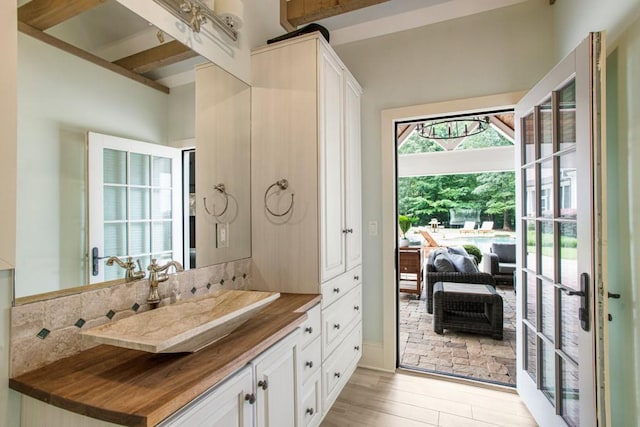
pixel 373 398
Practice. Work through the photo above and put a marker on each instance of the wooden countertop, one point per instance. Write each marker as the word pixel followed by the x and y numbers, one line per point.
pixel 136 388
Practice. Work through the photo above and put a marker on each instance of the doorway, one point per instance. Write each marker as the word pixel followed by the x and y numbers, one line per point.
pixel 456 202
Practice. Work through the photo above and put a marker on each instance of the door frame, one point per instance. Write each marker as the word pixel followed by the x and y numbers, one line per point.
pixel 385 357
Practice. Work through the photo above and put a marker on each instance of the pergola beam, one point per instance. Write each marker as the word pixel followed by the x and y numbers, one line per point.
pixel 43 14
pixel 300 12
pixel 156 57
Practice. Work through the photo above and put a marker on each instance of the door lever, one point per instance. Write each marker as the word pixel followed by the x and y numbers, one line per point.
pixel 612 295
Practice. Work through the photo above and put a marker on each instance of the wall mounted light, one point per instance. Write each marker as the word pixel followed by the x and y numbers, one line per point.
pixel 196 13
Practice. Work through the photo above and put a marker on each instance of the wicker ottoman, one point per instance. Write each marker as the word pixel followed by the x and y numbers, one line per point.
pixel 468 308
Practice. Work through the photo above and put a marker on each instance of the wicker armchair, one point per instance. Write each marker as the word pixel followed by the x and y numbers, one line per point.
pixel 432 276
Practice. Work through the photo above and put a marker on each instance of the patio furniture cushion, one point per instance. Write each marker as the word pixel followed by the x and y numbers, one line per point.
pixel 506 252
pixel 506 267
pixel 442 261
pixel 460 250
pixel 463 264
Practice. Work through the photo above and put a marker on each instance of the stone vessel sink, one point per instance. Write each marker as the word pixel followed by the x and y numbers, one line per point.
pixel 186 326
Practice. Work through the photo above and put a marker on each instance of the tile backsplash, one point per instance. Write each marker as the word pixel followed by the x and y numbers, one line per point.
pixel 45 331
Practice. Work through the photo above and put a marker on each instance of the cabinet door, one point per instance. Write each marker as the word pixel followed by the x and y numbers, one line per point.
pixel 330 112
pixel 224 406
pixel 276 385
pixel 353 184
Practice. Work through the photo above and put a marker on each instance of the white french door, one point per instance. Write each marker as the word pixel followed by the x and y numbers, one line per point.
pixel 135 208
pixel 558 132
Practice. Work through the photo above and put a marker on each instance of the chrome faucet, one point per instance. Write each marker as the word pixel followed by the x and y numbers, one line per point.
pixel 157 274
pixel 130 267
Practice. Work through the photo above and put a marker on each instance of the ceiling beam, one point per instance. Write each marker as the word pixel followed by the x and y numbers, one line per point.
pixel 404 131
pixel 46 38
pixel 502 126
pixel 284 22
pixel 156 57
pixel 300 12
pixel 43 14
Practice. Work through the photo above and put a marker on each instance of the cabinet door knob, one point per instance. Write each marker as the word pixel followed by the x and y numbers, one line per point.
pixel 263 384
pixel 309 364
pixel 345 231
pixel 336 326
pixel 356 348
pixel 310 411
pixel 251 398
pixel 308 329
pixel 336 374
pixel 349 230
pixel 356 307
pixel 336 290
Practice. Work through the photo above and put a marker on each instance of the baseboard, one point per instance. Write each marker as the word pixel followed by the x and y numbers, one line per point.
pixel 373 356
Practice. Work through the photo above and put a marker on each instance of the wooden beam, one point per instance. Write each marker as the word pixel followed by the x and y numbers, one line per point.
pixel 300 12
pixel 156 57
pixel 284 22
pixel 43 14
pixel 503 126
pixel 404 132
pixel 46 38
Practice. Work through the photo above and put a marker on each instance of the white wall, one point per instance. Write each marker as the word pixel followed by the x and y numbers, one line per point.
pixel 574 19
pixel 9 400
pixel 60 98
pixel 182 113
pixel 623 139
pixel 500 51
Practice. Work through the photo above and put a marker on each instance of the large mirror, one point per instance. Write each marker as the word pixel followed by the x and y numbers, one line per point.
pixel 66 104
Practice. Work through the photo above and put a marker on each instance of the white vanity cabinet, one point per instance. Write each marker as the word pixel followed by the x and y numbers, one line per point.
pixel 260 394
pixel 307 238
pixel 227 405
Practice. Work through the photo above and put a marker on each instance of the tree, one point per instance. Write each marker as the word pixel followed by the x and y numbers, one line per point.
pixel 498 190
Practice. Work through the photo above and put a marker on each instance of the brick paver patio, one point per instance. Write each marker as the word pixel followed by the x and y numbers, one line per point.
pixel 475 356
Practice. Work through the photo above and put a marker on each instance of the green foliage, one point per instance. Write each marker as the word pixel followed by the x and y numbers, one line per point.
pixel 546 240
pixel 475 251
pixel 405 223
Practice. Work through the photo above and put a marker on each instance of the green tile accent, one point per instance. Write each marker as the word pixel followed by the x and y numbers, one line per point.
pixel 43 333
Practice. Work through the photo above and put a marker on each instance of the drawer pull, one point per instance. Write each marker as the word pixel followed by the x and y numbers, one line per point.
pixel 336 290
pixel 310 411
pixel 263 384
pixel 308 330
pixel 356 277
pixel 356 307
pixel 309 364
pixel 356 348
pixel 337 374
pixel 336 326
pixel 251 398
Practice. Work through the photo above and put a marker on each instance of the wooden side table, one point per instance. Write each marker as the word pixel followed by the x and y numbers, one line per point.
pixel 411 264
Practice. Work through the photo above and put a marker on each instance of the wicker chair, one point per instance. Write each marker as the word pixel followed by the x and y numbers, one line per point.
pixel 432 276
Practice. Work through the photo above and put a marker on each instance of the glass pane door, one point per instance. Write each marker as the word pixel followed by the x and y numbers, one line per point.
pixel 556 353
pixel 134 202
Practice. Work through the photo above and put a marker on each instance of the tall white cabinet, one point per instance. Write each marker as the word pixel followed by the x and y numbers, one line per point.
pixel 306 129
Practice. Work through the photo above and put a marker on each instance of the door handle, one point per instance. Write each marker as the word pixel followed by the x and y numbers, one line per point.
pixel 95 261
pixel 583 293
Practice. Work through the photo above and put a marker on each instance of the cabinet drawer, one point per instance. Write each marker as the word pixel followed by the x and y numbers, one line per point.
pixel 335 288
pixel 312 326
pixel 340 365
pixel 311 359
pixel 311 402
pixel 338 319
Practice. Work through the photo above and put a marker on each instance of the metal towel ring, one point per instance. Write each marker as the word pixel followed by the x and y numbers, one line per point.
pixel 282 184
pixel 222 189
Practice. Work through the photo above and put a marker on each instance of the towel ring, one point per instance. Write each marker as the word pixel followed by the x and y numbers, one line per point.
pixel 222 190
pixel 282 184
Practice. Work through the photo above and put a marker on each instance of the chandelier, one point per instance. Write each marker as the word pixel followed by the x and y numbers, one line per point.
pixel 453 128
